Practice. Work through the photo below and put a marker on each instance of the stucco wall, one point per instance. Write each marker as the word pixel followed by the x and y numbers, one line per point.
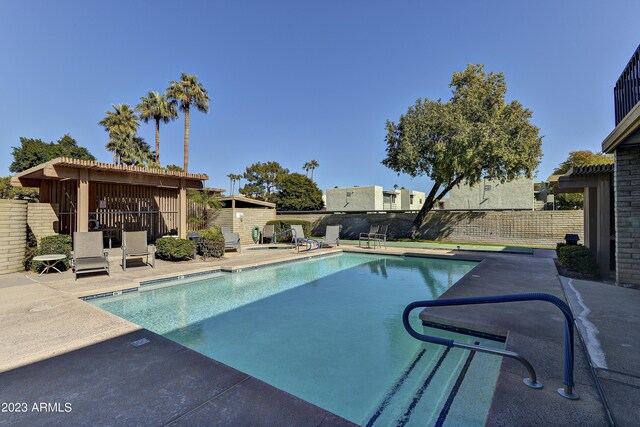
pixel 406 202
pixel 13 235
pixel 627 214
pixel 534 228
pixel 516 194
pixel 354 198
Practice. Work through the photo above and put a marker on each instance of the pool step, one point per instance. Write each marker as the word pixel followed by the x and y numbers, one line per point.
pixel 425 393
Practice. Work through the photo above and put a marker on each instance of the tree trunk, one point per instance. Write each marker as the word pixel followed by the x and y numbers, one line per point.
pixel 158 142
pixel 115 157
pixel 312 173
pixel 186 139
pixel 426 207
pixel 431 200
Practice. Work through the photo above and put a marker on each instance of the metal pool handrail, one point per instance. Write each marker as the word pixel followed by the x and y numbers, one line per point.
pixel 566 391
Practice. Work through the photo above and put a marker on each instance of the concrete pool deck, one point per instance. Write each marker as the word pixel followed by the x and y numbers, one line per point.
pixel 57 348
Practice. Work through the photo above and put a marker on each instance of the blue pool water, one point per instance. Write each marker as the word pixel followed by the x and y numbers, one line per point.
pixel 329 331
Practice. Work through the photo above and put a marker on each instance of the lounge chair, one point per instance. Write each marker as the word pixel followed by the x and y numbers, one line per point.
pixel 381 236
pixel 134 243
pixel 231 239
pixel 368 236
pixel 298 238
pixel 331 236
pixel 268 231
pixel 89 255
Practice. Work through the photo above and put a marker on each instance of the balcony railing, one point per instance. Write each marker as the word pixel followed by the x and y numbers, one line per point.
pixel 626 93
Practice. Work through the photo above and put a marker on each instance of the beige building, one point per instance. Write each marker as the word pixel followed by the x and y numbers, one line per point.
pixel 372 198
pixel 517 194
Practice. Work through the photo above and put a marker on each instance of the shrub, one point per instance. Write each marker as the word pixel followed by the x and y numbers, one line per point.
pixel 285 224
pixel 578 258
pixel 56 244
pixel 211 243
pixel 174 249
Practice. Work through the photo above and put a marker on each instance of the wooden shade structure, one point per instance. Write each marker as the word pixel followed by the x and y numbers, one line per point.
pixel 113 197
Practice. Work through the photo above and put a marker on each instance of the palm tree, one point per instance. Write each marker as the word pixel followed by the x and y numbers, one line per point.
pixel 306 167
pixel 159 108
pixel 119 123
pixel 233 178
pixel 136 151
pixel 313 165
pixel 188 91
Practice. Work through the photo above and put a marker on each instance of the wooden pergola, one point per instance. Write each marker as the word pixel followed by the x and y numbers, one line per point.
pixel 101 196
pixel 596 184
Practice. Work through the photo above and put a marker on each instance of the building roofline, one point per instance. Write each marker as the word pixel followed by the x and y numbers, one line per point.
pixel 92 164
pixel 629 124
pixel 239 198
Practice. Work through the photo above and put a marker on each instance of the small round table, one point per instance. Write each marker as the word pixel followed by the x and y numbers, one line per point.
pixel 49 262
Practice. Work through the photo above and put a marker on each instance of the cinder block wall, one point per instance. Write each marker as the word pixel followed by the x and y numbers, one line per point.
pixel 13 235
pixel 226 217
pixel 627 215
pixel 43 219
pixel 528 228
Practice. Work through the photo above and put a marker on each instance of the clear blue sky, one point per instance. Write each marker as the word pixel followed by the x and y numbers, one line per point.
pixel 292 81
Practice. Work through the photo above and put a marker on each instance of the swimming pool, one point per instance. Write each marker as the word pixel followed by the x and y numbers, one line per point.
pixel 329 331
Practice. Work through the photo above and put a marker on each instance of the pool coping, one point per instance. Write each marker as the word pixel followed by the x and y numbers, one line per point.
pixel 474 257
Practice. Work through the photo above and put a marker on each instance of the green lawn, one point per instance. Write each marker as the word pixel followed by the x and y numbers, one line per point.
pixel 428 244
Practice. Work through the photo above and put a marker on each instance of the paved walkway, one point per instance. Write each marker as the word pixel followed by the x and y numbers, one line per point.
pixel 534 330
pixel 608 318
pixel 57 348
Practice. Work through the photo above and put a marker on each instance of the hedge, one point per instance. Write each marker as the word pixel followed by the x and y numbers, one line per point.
pixel 174 249
pixel 49 245
pixel 285 224
pixel 578 258
pixel 211 242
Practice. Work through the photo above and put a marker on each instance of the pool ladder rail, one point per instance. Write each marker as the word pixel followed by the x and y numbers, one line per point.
pixel 295 240
pixel 567 391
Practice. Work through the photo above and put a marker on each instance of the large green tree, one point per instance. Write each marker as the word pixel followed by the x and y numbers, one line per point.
pixel 297 192
pixel 122 125
pixel 158 108
pixel 33 152
pixel 187 92
pixel 474 135
pixel 583 158
pixel 262 180
pixel 577 158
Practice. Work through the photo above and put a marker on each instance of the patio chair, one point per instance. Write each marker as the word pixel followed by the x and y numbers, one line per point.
pixel 331 236
pixel 368 236
pixel 231 239
pixel 297 235
pixel 381 236
pixel 268 231
pixel 89 255
pixel 134 244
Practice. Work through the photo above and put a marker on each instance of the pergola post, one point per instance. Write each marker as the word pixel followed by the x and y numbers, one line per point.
pixel 82 217
pixel 604 226
pixel 182 210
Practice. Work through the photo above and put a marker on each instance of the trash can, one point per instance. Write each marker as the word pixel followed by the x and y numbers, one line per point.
pixel 195 237
pixel 571 239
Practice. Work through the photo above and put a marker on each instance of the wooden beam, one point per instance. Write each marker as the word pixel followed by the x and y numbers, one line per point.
pixel 182 210
pixel 120 177
pixel 604 227
pixel 82 220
